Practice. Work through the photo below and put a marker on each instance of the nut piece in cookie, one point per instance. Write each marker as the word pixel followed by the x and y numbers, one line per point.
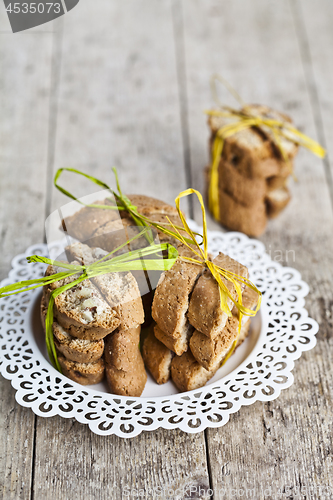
pixel 157 358
pixel 277 200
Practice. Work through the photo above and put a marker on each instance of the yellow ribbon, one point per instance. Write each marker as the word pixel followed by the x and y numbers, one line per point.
pixel 244 119
pixel 217 272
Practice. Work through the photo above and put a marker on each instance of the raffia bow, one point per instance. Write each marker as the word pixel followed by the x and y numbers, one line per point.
pixel 244 119
pixel 201 258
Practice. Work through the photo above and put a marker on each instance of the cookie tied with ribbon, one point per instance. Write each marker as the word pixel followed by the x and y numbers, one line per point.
pixel 252 151
pixel 173 229
pixel 153 257
pixel 149 256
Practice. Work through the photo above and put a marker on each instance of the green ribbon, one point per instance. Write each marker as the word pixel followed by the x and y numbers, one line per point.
pixel 131 261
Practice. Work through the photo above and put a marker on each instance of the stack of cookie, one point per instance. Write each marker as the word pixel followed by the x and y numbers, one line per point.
pixel 192 335
pixel 87 315
pixel 125 372
pixel 108 229
pixel 252 173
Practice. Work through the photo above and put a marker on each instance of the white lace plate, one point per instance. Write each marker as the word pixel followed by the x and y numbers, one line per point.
pixel 259 370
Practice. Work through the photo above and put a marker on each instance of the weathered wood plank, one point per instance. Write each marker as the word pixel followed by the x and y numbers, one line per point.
pixel 310 20
pixel 118 101
pixel 88 466
pixel 25 92
pixel 268 446
pixel 118 105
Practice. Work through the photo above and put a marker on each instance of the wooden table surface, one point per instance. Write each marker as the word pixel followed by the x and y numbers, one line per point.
pixel 125 84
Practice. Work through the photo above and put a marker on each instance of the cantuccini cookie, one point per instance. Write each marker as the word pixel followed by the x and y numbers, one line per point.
pixel 238 217
pixel 120 290
pixel 157 358
pixel 83 373
pixel 178 345
pixel 83 223
pixel 148 206
pixel 204 312
pixel 115 233
pixel 171 299
pixel 81 310
pixel 251 166
pixel 188 374
pixel 125 371
pixel 247 193
pixel 74 349
pixel 209 352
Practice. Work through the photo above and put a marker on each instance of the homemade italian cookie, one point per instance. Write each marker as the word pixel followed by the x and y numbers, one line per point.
pixel 238 217
pixel 210 352
pixel 81 310
pixel 94 225
pixel 178 345
pixel 247 193
pixel 172 295
pixel 205 313
pixel 125 371
pixel 116 233
pixel 120 290
pixel 188 374
pixel 83 223
pixel 82 373
pixel 157 358
pixel 72 348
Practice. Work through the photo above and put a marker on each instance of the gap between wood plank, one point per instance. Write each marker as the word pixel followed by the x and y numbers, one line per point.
pixel 52 124
pixel 32 491
pixel 53 108
pixel 306 59
pixel 209 469
pixel 178 30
